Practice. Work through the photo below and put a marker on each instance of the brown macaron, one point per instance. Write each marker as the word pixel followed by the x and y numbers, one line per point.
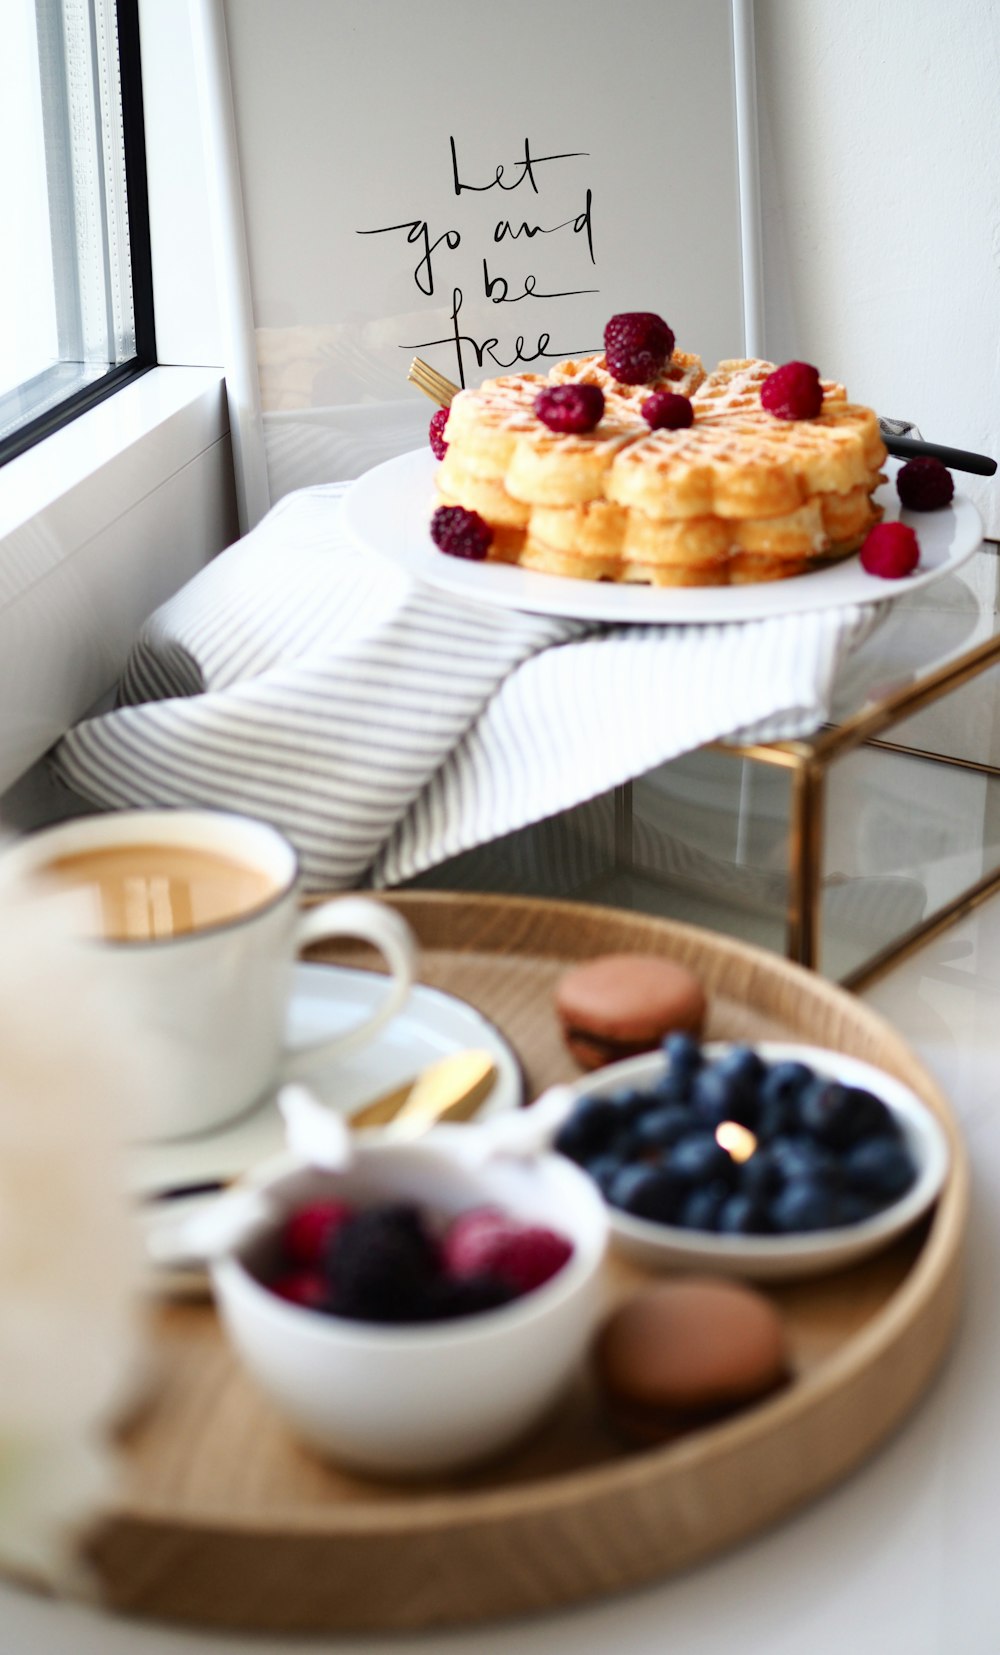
pixel 618 1005
pixel 685 1352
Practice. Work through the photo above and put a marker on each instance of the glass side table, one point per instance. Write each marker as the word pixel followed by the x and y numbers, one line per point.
pixel 842 849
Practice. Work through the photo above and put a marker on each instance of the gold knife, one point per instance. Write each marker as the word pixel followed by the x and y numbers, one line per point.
pixel 450 1089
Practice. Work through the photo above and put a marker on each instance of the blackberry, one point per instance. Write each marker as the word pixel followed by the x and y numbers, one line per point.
pixel 461 533
pixel 924 484
pixel 381 1266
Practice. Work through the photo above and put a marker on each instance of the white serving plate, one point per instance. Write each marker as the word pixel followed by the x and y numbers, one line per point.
pixel 388 511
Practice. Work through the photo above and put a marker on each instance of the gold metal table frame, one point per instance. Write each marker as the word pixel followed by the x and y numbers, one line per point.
pixel 809 760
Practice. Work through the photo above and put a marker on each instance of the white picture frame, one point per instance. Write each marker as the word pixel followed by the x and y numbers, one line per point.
pixel 259 156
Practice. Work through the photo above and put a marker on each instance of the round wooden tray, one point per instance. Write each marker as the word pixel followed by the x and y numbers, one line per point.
pixel 225 1521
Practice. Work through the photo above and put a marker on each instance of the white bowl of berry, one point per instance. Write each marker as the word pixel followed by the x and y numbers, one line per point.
pixel 422 1308
pixel 767 1162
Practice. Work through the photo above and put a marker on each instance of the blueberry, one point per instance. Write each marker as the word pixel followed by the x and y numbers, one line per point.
pixel 776 1116
pixel 700 1210
pixel 674 1085
pixel 761 1176
pixel 663 1126
pixel 872 1118
pixel 589 1129
pixel 742 1214
pixel 738 1073
pixel 646 1192
pixel 882 1167
pixel 824 1113
pixel 683 1051
pixel 803 1204
pixel 698 1159
pixel 603 1169
pixel 798 1157
pixel 744 1065
pixel 777 1098
pixel 626 1145
pixel 631 1105
pixel 715 1096
pixel 841 1115
pixel 784 1082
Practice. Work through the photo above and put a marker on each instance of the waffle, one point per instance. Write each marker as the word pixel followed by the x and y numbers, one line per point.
pixel 462 484
pixel 715 572
pixel 553 469
pixel 736 465
pixel 683 375
pixel 749 568
pixel 546 560
pixel 739 495
pixel 484 425
pixel 734 387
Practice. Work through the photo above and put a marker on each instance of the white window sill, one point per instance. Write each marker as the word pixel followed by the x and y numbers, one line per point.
pixel 167 404
pixel 99 524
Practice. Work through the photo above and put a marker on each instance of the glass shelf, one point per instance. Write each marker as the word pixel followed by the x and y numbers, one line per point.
pixel 843 849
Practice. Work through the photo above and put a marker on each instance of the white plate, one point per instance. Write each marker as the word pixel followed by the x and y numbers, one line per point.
pixel 326 999
pixel 389 508
pixel 776 1258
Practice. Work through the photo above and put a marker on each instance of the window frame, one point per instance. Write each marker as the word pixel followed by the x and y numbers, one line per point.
pixel 115 376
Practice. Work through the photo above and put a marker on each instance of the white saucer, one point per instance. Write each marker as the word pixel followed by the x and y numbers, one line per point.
pixel 325 999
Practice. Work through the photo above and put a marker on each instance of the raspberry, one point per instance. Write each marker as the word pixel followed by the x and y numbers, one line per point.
pixel 307 1232
pixel 461 533
pixel 792 392
pixel 467 1237
pixel 891 551
pixel 637 346
pixel 924 484
pixel 435 433
pixel 572 408
pixel 522 1256
pixel 666 411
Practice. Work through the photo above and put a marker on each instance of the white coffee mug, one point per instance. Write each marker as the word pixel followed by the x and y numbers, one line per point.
pixel 211 1001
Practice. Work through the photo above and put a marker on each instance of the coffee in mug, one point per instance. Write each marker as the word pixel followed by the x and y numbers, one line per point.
pixel 146 892
pixel 194 917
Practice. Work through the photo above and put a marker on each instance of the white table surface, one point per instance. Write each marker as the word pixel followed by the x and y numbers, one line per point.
pixel 903 1557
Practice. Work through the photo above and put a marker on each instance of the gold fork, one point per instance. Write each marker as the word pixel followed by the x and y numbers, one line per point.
pixel 433 384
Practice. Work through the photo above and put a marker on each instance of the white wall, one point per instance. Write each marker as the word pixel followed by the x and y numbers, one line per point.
pixel 880 155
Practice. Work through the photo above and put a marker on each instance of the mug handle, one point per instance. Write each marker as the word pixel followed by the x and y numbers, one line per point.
pixel 356 916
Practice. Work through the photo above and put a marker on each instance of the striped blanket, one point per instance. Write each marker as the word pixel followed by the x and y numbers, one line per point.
pixel 386 727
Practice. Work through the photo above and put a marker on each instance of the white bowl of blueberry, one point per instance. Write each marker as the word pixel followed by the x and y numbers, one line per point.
pixel 767 1162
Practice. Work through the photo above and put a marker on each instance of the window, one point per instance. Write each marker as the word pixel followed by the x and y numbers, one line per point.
pixel 76 315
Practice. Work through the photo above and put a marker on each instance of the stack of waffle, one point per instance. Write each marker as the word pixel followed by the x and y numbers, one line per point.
pixel 738 496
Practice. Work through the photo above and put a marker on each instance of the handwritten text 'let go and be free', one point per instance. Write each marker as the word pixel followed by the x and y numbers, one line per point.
pixel 496 286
